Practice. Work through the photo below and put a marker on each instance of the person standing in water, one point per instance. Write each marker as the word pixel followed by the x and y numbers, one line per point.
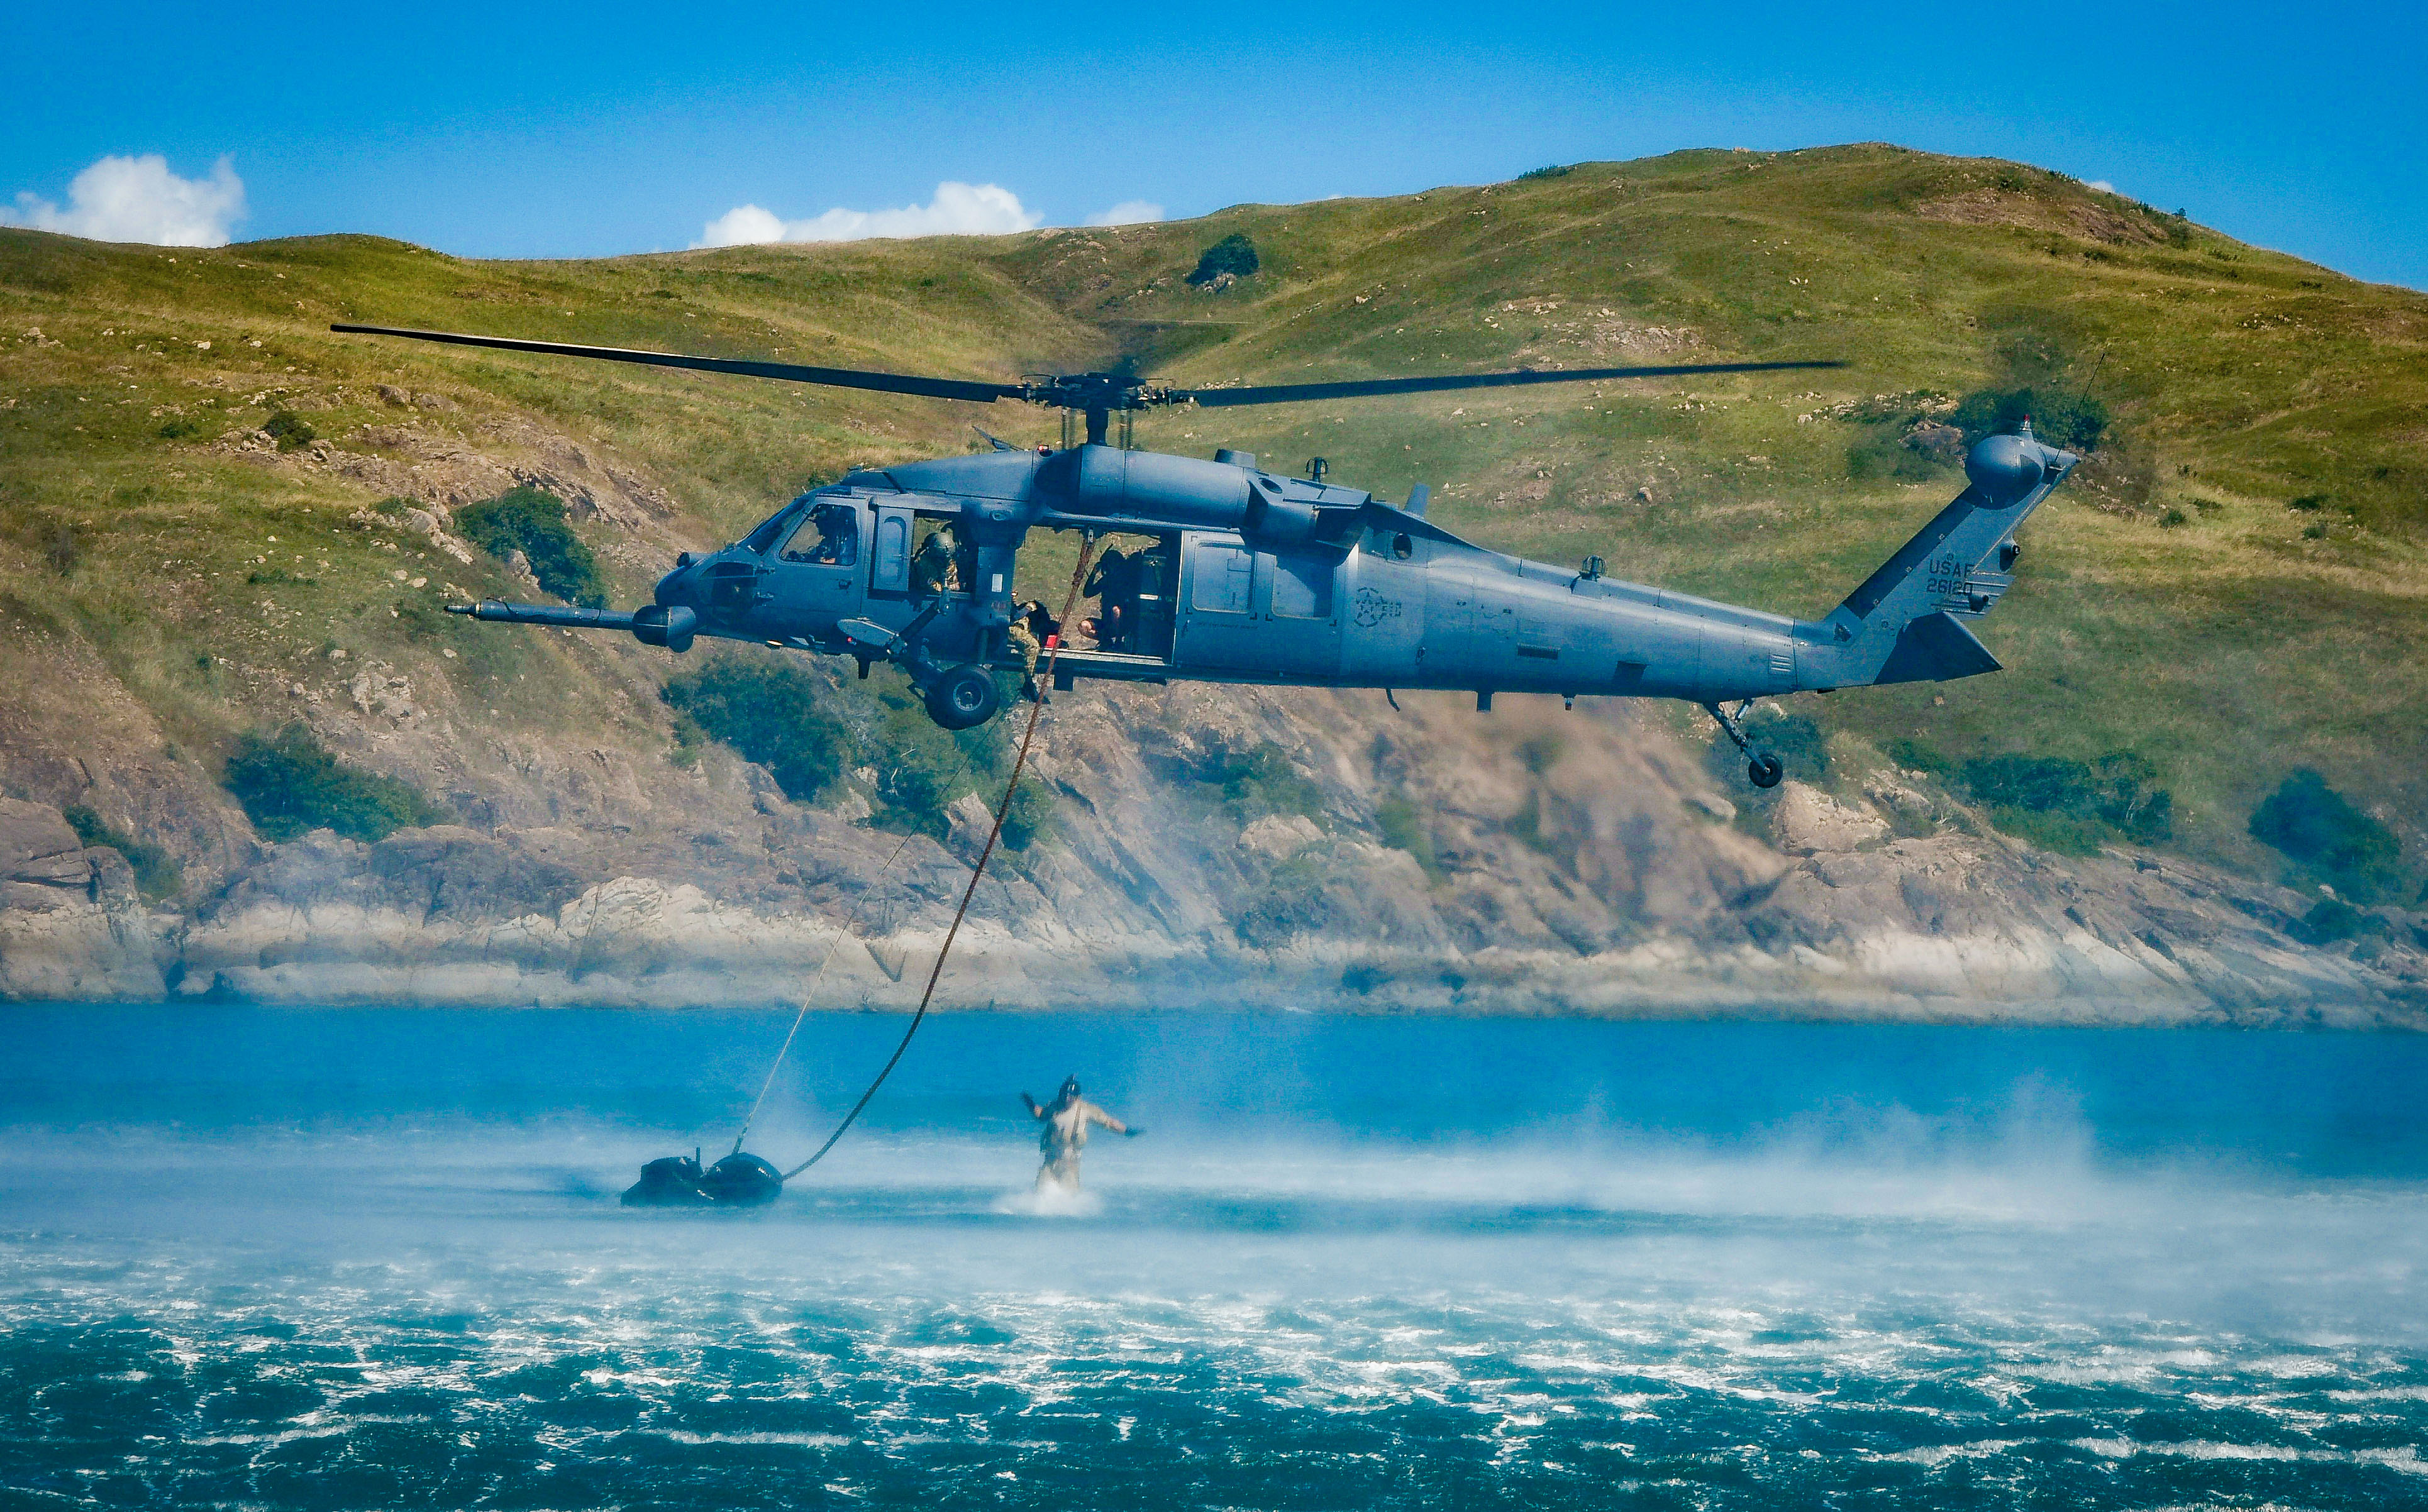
pixel 1066 1120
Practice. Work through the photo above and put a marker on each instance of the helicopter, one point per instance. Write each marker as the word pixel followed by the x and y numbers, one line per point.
pixel 1251 577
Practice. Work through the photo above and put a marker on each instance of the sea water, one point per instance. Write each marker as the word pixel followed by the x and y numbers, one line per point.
pixel 373 1258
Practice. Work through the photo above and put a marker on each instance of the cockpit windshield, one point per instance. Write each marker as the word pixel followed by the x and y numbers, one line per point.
pixel 763 540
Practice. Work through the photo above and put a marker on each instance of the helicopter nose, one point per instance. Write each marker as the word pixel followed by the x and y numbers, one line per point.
pixel 679 586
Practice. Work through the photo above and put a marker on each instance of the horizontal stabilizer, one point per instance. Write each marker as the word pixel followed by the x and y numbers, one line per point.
pixel 1935 648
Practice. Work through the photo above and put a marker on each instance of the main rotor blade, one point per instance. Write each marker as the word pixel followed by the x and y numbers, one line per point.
pixel 1218 399
pixel 942 388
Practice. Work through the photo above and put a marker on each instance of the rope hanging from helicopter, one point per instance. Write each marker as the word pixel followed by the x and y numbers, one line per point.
pixel 978 872
pixel 819 977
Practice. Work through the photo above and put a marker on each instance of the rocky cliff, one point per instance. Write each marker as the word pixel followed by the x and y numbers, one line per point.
pixel 1538 862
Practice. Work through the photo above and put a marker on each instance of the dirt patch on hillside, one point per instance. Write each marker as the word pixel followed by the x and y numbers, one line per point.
pixel 2003 207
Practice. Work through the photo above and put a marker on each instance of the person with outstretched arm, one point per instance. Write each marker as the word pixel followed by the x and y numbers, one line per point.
pixel 1066 1120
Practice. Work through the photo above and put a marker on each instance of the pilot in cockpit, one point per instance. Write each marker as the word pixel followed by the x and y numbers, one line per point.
pixel 829 538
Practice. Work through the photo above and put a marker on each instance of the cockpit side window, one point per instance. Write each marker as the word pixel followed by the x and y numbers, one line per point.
pixel 829 536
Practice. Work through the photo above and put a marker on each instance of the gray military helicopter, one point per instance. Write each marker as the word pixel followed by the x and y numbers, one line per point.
pixel 1254 577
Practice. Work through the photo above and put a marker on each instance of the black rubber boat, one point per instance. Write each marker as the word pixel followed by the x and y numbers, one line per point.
pixel 739 1181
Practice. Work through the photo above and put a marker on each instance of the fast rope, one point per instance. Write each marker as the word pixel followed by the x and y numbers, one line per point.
pixel 811 995
pixel 1002 812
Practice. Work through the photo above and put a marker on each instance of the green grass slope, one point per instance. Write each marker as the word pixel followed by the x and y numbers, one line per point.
pixel 2171 602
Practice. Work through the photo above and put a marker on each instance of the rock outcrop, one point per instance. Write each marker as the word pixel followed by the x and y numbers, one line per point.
pixel 70 925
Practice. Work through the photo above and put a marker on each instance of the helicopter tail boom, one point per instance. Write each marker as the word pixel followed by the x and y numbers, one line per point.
pixel 1906 622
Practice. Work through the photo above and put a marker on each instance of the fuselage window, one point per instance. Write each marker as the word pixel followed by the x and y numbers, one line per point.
pixel 1224 573
pixel 892 551
pixel 1403 547
pixel 830 537
pixel 1302 588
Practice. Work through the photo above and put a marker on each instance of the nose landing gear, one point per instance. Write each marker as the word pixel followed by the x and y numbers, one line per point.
pixel 1762 767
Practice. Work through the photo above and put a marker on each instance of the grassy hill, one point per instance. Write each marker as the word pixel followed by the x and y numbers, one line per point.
pixel 2233 588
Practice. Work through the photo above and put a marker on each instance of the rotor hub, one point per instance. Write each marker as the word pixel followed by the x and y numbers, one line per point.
pixel 1095 392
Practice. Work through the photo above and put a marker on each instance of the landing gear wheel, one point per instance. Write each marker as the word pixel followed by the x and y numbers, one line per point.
pixel 964 698
pixel 1762 766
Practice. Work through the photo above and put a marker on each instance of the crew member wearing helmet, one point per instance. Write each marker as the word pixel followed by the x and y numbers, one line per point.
pixel 1066 1120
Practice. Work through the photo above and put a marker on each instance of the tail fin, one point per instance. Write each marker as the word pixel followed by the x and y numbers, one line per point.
pixel 1905 623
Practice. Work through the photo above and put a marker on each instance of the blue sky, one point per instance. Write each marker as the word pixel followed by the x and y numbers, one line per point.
pixel 560 130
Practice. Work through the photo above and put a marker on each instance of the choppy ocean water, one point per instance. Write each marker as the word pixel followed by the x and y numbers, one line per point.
pixel 344 1258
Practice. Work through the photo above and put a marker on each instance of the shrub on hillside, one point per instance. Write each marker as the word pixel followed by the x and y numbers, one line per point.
pixel 1261 781
pixel 532 521
pixel 290 429
pixel 922 769
pixel 1404 829
pixel 1032 811
pixel 1234 256
pixel 1918 755
pixel 156 873
pixel 808 733
pixel 775 715
pixel 2331 918
pixel 2052 798
pixel 2074 421
pixel 289 784
pixel 2322 832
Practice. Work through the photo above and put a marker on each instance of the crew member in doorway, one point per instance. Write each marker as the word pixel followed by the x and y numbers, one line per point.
pixel 935 569
pixel 1113 583
pixel 1066 1120
pixel 1032 627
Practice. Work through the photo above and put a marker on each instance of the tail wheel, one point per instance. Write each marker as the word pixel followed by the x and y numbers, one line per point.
pixel 964 697
pixel 1765 770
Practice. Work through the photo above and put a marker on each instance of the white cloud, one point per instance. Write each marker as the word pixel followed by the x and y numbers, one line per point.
pixel 1127 213
pixel 958 210
pixel 2103 185
pixel 741 226
pixel 138 198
